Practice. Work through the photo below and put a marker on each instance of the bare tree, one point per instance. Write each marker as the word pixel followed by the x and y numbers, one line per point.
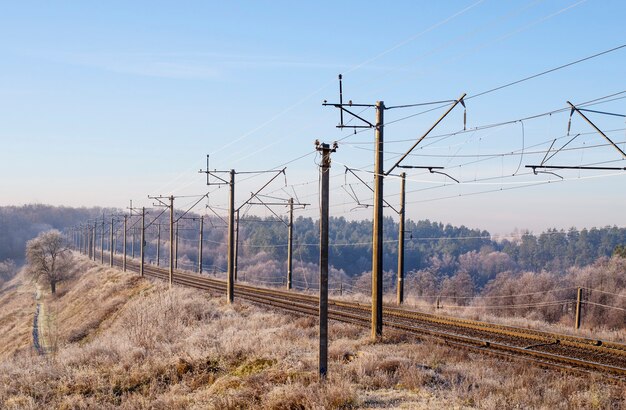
pixel 49 258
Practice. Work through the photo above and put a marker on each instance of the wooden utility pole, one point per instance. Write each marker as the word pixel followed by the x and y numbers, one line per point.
pixel 132 244
pixel 143 241
pixel 200 245
pixel 377 231
pixel 401 215
pixel 231 240
pixel 171 271
pixel 323 306
pixel 111 243
pixel 290 246
pixel 124 247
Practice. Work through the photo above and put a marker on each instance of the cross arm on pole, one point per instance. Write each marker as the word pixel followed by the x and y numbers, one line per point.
pixel 406 154
pixel 574 108
pixel 278 173
pixel 267 205
pixel 370 188
pixel 213 174
pixel 432 170
pixel 216 214
pixel 535 167
pixel 160 200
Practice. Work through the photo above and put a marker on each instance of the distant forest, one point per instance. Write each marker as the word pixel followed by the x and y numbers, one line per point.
pixel 429 245
pixel 19 224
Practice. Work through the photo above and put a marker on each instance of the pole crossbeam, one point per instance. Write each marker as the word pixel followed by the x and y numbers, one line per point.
pixel 168 205
pixel 233 222
pixel 546 158
pixel 379 201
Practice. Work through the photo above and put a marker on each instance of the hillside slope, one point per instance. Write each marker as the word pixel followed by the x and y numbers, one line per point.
pixel 119 341
pixel 17 306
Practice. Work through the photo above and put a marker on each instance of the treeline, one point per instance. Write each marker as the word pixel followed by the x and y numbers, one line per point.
pixel 556 250
pixel 440 248
pixel 433 244
pixel 19 224
pixel 351 248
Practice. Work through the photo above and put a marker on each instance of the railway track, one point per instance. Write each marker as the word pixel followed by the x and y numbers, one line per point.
pixel 546 349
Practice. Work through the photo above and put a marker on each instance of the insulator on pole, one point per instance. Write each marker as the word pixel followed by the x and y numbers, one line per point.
pixel 464 113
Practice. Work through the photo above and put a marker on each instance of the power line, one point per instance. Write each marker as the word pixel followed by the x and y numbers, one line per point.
pixel 551 70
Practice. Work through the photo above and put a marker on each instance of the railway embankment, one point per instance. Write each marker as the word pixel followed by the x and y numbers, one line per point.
pixel 129 342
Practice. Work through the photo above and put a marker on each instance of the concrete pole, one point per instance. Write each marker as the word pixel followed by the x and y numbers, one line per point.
pixel 111 244
pixel 176 248
pixel 290 246
pixel 231 240
pixel 171 271
pixel 143 241
pixel 124 247
pixel 200 245
pixel 377 230
pixel 401 215
pixel 323 306
pixel 88 236
pixel 93 240
pixel 158 249
pixel 102 242
pixel 237 246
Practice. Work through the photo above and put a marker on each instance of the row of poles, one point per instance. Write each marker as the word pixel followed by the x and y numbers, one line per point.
pixel 85 239
pixel 377 226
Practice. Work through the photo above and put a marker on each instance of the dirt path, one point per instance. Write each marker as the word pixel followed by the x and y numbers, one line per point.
pixel 38 340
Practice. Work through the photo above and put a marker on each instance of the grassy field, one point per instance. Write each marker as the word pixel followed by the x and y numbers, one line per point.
pixel 118 341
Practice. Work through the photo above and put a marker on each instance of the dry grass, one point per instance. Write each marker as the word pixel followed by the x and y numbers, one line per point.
pixel 131 344
pixel 564 326
pixel 17 302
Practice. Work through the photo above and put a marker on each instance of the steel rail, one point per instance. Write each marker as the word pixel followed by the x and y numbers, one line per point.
pixel 548 349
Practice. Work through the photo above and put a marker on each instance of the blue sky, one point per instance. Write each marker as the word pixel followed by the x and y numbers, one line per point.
pixel 106 102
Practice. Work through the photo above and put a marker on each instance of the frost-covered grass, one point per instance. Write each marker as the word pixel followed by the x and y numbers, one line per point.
pixel 129 343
